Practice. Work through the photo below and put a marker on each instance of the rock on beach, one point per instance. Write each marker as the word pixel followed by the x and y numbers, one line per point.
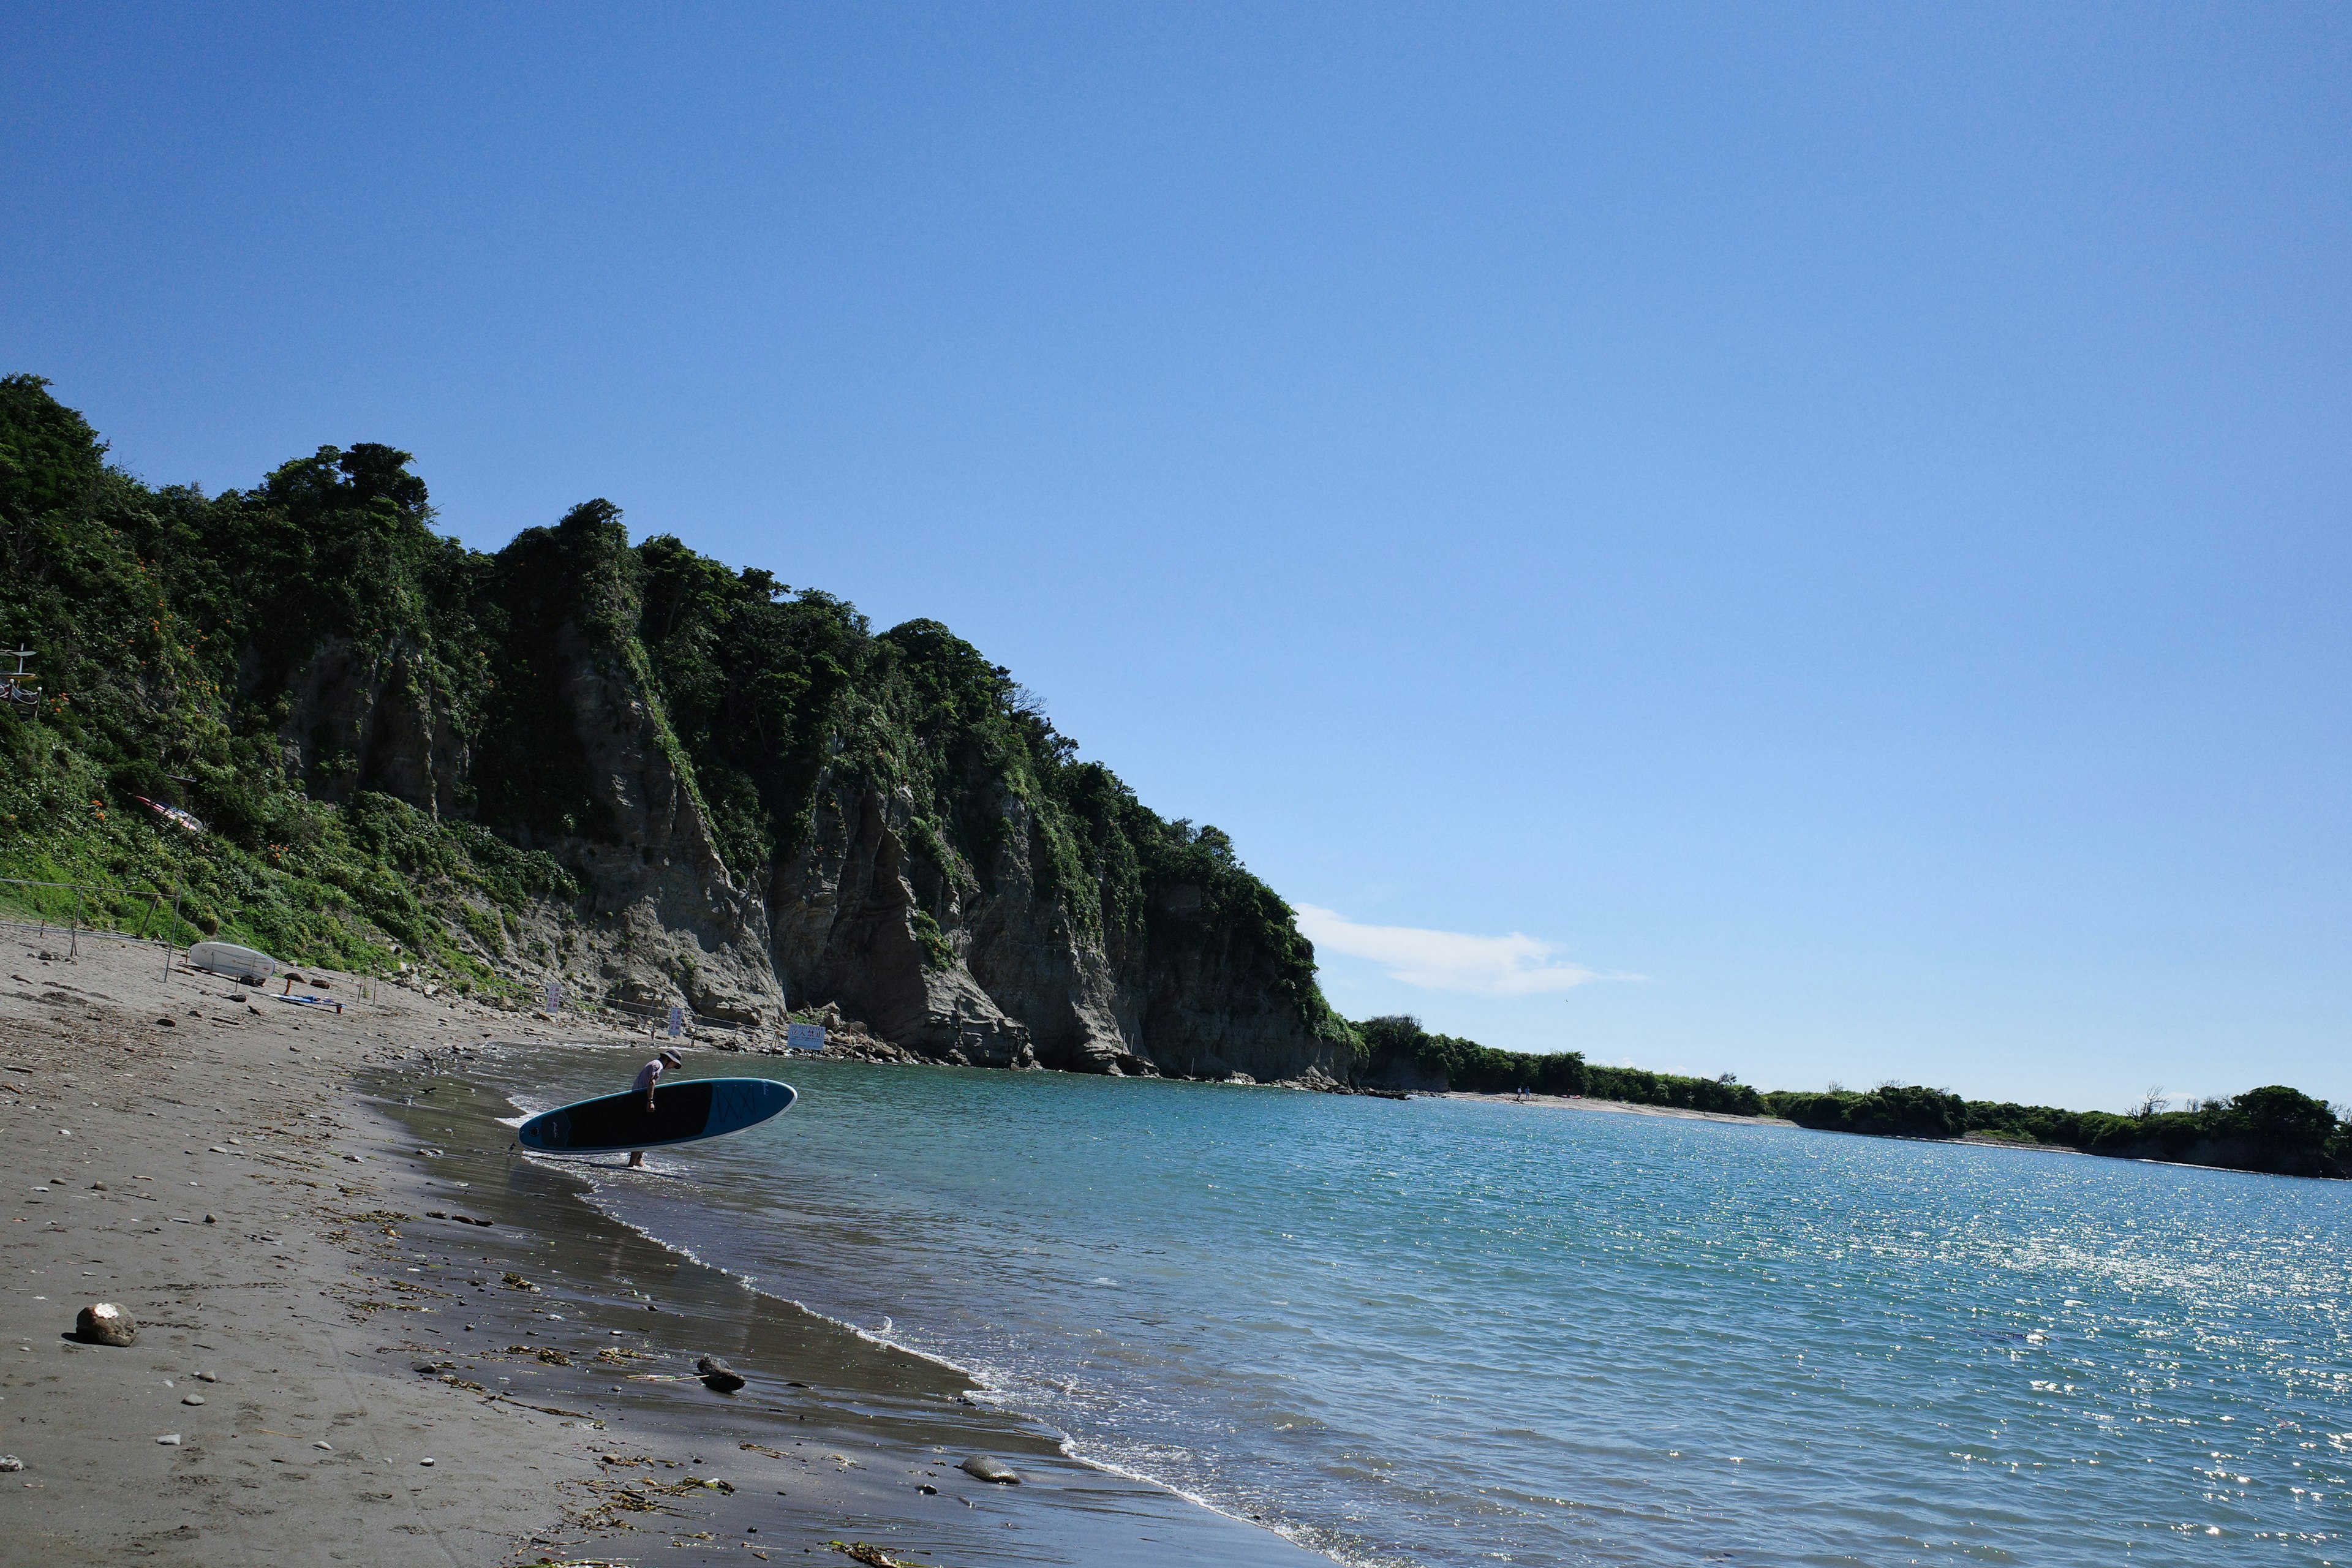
pixel 104 1323
pixel 981 1467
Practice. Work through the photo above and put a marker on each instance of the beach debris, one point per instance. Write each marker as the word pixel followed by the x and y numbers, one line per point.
pixel 927 1489
pixel 104 1323
pixel 178 817
pixel 517 1282
pixel 169 1439
pixel 426 1463
pixel 324 1447
pixel 872 1556
pixel 996 1472
pixel 11 1463
pixel 717 1376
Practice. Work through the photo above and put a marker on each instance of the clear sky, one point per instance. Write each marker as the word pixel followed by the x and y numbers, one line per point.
pixel 1803 541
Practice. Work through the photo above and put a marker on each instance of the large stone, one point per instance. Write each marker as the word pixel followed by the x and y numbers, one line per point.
pixel 718 1375
pixel 104 1323
pixel 981 1467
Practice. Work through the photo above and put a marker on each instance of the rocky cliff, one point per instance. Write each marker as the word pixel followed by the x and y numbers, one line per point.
pixel 623 765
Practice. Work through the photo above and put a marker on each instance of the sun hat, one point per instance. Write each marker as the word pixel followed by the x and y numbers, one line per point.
pixel 672 1058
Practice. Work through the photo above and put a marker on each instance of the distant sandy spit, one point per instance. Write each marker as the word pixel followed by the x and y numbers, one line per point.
pixel 1580 1102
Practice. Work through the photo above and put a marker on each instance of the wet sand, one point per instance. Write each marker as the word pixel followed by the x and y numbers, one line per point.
pixel 335 1335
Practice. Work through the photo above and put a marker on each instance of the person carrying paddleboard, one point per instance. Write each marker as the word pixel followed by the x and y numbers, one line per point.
pixel 648 1075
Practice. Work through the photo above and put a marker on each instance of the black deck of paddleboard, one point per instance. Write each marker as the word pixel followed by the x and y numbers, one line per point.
pixel 621 1121
pixel 683 1111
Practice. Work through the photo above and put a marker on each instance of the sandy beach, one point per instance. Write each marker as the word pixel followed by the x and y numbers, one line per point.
pixel 336 1361
pixel 1583 1103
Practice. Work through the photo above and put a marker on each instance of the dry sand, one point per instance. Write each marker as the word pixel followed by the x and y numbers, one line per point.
pixel 254 1182
pixel 1582 1102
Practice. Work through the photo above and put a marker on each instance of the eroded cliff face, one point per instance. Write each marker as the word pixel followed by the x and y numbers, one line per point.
pixel 679 926
pixel 659 918
pixel 363 719
pixel 982 965
pixel 623 765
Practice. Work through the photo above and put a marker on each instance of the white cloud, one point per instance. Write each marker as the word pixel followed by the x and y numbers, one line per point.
pixel 1513 966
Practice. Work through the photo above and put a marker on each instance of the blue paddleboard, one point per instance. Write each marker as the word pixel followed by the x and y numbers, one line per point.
pixel 683 1112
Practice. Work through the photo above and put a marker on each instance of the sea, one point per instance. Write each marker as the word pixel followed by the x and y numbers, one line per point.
pixel 1452 1333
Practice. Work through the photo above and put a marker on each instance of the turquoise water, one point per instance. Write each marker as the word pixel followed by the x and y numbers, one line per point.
pixel 1448 1332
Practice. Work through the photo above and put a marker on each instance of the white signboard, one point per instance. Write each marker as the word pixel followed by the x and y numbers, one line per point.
pixel 805 1037
pixel 555 997
pixel 677 1020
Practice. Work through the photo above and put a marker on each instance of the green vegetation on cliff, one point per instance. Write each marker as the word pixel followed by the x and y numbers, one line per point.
pixel 380 726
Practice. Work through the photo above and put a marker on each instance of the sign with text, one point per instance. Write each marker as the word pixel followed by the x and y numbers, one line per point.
pixel 677 1020
pixel 805 1037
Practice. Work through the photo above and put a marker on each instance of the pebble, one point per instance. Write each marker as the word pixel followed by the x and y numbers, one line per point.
pixel 169 1439
pixel 193 1399
pixel 717 1376
pixel 927 1489
pixel 209 1220
pixel 426 1463
pixel 205 1376
pixel 11 1463
pixel 981 1467
pixel 324 1447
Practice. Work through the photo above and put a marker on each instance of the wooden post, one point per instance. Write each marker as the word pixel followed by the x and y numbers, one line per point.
pixel 171 932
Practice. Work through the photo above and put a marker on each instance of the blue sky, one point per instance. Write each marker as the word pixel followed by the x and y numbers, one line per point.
pixel 1808 541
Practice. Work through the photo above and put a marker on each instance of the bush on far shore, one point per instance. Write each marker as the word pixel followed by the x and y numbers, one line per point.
pixel 1397 1050
pixel 2274 1127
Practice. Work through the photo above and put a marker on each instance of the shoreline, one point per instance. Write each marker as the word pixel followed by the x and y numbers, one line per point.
pixel 1179 1523
pixel 1969 1140
pixel 1618 1107
pixel 255 1183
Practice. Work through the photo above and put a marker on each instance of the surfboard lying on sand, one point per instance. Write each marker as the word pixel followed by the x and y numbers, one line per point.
pixel 683 1112
pixel 228 958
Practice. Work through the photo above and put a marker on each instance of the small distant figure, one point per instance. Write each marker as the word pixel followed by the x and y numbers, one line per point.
pixel 647 1077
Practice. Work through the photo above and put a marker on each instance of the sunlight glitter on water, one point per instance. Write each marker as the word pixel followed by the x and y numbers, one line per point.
pixel 1448 1332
